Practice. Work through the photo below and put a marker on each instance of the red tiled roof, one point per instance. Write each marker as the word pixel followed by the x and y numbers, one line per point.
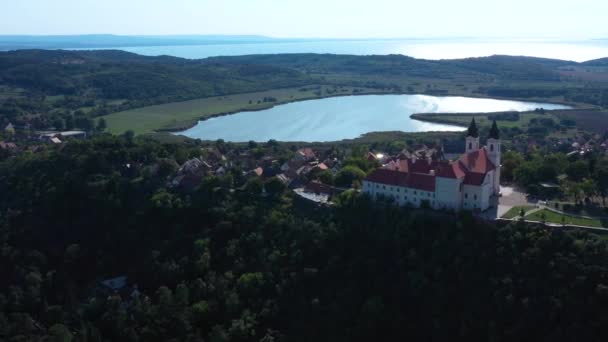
pixel 477 162
pixel 319 188
pixel 386 176
pixel 408 165
pixel 307 152
pixel 473 167
pixel 7 146
pixel 420 181
pixel 322 166
pixel 450 170
pixel 474 178
pixel 400 165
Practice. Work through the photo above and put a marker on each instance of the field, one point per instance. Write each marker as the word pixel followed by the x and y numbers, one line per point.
pixel 514 212
pixel 589 120
pixel 554 217
pixel 482 119
pixel 182 115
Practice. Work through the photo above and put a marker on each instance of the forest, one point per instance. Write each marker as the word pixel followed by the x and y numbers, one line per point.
pixel 240 259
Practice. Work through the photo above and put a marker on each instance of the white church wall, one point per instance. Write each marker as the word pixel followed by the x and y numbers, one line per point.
pixel 449 195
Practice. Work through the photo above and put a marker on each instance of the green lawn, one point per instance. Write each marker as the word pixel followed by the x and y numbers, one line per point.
pixel 553 217
pixel 181 115
pixel 514 212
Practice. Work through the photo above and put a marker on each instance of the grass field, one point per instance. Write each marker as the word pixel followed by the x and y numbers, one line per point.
pixel 181 115
pixel 482 119
pixel 590 120
pixel 553 217
pixel 514 212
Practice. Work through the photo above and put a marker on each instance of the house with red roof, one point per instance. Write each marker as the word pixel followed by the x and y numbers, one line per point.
pixel 468 182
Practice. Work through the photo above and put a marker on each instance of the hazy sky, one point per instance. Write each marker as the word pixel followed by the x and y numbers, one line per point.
pixel 310 18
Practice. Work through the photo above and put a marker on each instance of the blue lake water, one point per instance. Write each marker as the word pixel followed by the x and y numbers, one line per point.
pixel 347 117
pixel 576 50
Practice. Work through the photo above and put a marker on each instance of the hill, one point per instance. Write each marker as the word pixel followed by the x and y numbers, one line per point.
pixel 46 87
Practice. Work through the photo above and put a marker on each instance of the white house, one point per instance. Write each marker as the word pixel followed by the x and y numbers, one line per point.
pixel 468 183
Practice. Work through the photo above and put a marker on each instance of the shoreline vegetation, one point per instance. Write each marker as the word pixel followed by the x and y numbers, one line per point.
pixel 178 126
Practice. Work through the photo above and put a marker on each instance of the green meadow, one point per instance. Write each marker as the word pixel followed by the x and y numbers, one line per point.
pixel 182 115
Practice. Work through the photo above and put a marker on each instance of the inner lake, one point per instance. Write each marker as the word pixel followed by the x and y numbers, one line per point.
pixel 347 117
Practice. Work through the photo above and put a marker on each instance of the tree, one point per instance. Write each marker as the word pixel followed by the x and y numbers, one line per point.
pixel 69 122
pixel 129 136
pixel 58 124
pixel 60 333
pixel 601 178
pixel 326 177
pixel 101 124
pixel 254 186
pixel 577 170
pixel 588 187
pixel 274 186
pixel 348 175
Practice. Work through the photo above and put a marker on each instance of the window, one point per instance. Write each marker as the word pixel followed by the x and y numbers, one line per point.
pixel 415 192
pixel 433 195
pixel 384 187
pixel 491 147
pixel 377 186
pixel 466 195
pixel 475 197
pixel 497 148
pixel 398 190
pixel 405 198
pixel 470 146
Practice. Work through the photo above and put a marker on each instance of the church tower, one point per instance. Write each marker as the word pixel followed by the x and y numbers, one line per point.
pixel 493 147
pixel 472 138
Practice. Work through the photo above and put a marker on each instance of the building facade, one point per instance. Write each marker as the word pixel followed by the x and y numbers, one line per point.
pixel 468 183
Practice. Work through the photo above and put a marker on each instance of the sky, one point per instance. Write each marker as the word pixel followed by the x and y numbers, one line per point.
pixel 310 18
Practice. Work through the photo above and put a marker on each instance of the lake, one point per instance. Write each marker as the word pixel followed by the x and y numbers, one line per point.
pixel 575 50
pixel 347 117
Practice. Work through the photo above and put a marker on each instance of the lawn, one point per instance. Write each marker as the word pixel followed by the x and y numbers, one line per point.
pixel 553 217
pixel 181 115
pixel 514 212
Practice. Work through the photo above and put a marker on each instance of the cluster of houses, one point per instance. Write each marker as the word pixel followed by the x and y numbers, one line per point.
pixel 14 133
pixel 293 172
pixel 583 145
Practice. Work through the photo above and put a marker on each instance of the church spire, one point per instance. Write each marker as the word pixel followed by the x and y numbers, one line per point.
pixel 494 132
pixel 473 132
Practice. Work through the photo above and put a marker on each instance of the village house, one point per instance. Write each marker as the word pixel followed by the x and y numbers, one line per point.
pixel 9 129
pixel 472 182
pixel 60 137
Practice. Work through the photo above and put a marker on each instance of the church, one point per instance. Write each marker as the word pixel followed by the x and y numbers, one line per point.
pixel 471 182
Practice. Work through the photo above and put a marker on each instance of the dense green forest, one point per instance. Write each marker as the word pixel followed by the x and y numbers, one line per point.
pixel 243 260
pixel 48 88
